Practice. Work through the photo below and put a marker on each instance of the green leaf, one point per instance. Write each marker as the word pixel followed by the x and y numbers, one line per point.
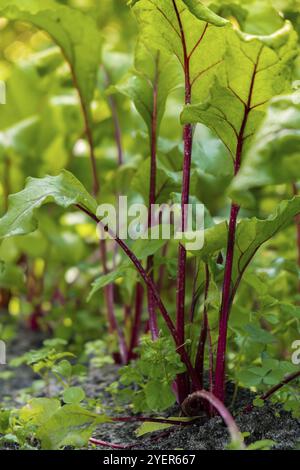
pixel 63 368
pixel 73 395
pixel 249 379
pixel 107 279
pixel 215 239
pixel 256 68
pixel 159 395
pixel 258 335
pixel 70 425
pixel 258 402
pixel 144 248
pixel 148 427
pixel 148 86
pixel 203 13
pixel 159 26
pixel 39 410
pixel 12 277
pixel 74 32
pixel 65 190
pixel 167 180
pixel 4 421
pixel 253 16
pixel 264 444
pixel 253 233
pixel 273 157
pixel 20 136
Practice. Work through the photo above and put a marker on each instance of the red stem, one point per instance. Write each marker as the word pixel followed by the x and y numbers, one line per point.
pixel 152 199
pixel 227 297
pixel 199 363
pixel 98 442
pixel 219 389
pixel 285 381
pixel 233 429
pixel 137 319
pixel 289 378
pixel 180 348
pixel 182 382
pixel 109 300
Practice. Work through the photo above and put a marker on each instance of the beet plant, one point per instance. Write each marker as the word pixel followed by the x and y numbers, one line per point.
pixel 227 78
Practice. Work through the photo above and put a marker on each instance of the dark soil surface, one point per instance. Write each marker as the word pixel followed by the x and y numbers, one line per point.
pixel 269 422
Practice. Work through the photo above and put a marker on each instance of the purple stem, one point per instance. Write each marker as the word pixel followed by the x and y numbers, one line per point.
pixel 109 300
pixel 137 319
pixel 180 348
pixel 289 378
pixel 98 442
pixel 152 199
pixel 199 363
pixel 225 414
pixel 227 297
pixel 182 381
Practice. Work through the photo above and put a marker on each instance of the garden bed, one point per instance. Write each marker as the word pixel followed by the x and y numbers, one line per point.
pixel 267 423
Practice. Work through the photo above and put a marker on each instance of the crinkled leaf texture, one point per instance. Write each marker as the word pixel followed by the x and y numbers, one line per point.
pixel 255 69
pixel 65 190
pixel 75 33
pixel 274 156
pixel 162 25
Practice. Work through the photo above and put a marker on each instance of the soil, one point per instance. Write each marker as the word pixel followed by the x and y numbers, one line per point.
pixel 269 422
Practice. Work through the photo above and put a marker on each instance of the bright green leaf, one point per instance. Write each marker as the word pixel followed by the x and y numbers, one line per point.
pixel 65 190
pixel 73 395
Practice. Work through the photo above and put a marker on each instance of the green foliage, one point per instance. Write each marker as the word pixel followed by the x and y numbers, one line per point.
pixel 57 426
pixel 236 64
pixel 149 427
pixel 255 69
pixel 65 190
pixel 70 425
pixel 270 373
pixel 273 157
pixel 152 375
pixel 149 85
pixel 75 33
pixel 51 361
pixel 159 27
